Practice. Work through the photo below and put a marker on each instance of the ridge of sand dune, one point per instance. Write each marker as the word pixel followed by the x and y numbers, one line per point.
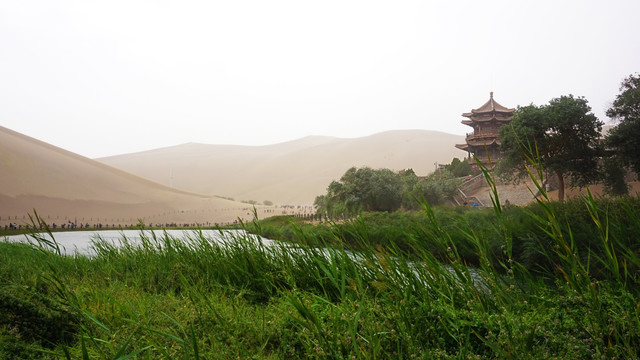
pixel 62 185
pixel 33 167
pixel 293 172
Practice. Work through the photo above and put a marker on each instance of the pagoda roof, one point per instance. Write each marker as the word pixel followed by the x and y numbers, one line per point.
pixel 489 106
pixel 483 142
pixel 474 145
pixel 479 118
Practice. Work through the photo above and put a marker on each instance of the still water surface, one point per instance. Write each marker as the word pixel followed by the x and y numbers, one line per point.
pixel 80 242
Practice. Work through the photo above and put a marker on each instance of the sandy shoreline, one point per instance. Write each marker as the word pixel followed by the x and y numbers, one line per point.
pixel 114 215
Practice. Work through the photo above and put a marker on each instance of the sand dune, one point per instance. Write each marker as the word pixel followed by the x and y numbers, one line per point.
pixel 63 186
pixel 167 185
pixel 288 173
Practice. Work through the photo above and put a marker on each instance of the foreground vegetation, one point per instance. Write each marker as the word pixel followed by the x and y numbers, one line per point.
pixel 548 281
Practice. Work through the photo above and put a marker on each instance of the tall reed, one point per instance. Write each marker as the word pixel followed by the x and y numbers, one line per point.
pixel 198 297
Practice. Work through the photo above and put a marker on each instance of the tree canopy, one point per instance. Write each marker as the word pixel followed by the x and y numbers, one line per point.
pixel 459 167
pixel 625 137
pixel 562 136
pixel 366 189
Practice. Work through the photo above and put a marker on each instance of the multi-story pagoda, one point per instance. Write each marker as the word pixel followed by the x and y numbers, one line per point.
pixel 484 141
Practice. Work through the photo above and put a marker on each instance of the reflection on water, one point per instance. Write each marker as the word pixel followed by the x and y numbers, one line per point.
pixel 80 242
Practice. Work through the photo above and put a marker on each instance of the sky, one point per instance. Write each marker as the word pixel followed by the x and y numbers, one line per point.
pixel 102 78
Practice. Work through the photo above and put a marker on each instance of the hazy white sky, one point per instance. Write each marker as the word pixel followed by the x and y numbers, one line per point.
pixel 109 77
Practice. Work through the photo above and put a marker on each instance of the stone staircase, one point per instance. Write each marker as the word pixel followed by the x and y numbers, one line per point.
pixel 460 198
pixel 476 190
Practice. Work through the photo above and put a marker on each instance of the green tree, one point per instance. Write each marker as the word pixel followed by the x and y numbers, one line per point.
pixel 408 181
pixel 459 168
pixel 363 189
pixel 614 176
pixel 385 191
pixel 562 135
pixel 366 189
pixel 320 203
pixel 624 139
pixel 438 187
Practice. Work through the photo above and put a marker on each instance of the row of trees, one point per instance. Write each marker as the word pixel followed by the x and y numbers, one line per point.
pixel 367 189
pixel 564 137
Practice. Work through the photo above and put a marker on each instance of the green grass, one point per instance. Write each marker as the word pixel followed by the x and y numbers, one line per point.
pixel 547 281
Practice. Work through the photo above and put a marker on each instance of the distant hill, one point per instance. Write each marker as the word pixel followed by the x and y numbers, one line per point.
pixel 63 186
pixel 293 172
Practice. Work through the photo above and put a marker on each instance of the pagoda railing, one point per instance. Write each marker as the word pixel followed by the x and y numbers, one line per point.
pixel 482 135
pixel 471 184
pixel 461 198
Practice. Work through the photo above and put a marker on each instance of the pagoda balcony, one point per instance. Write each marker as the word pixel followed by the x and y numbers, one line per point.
pixel 489 163
pixel 482 135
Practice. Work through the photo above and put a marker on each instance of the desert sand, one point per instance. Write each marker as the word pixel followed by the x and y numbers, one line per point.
pixel 185 184
pixel 65 187
pixel 288 173
pixel 196 183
